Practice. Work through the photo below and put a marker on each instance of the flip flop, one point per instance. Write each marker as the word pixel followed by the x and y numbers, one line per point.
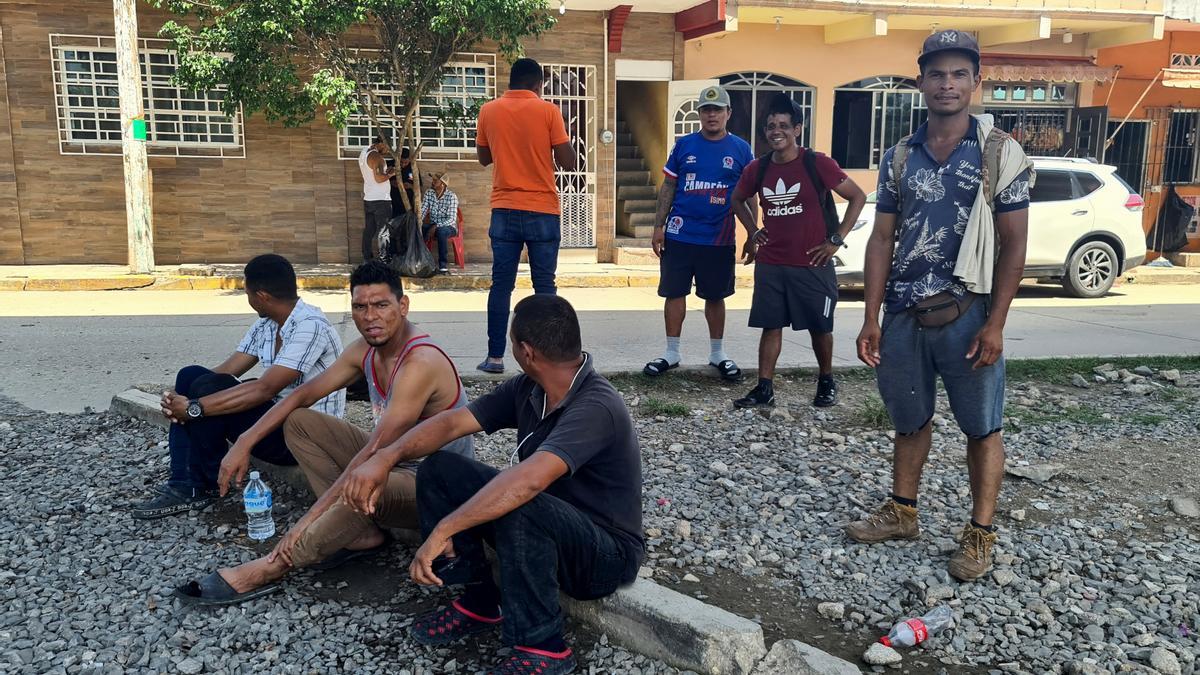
pixel 342 556
pixel 658 367
pixel 729 370
pixel 214 591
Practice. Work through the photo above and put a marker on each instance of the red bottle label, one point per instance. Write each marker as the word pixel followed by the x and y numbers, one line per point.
pixel 918 629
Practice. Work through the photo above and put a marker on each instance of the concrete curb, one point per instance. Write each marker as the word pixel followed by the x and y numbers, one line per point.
pixel 648 618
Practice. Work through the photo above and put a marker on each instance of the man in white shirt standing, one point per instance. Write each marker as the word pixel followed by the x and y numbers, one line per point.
pixel 377 193
pixel 208 409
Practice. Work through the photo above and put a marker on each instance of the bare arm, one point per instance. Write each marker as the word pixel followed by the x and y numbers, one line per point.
pixel 666 199
pixel 250 394
pixel 502 495
pixel 484 154
pixel 852 193
pixel 1013 231
pixel 746 211
pixel 564 156
pixel 237 364
pixel 375 161
pixel 877 266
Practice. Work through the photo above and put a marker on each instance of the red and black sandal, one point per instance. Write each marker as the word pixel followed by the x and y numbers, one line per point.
pixel 449 624
pixel 530 661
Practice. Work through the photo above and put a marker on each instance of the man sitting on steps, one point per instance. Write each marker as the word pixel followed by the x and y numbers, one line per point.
pixel 292 341
pixel 406 384
pixel 566 514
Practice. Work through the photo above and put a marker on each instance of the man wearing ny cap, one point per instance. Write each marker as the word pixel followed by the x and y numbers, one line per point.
pixel 945 260
pixel 694 229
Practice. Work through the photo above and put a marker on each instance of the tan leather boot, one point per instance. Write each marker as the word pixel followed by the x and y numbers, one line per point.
pixel 892 521
pixel 974 557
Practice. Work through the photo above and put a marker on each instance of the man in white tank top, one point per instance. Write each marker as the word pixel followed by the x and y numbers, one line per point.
pixel 377 193
pixel 410 379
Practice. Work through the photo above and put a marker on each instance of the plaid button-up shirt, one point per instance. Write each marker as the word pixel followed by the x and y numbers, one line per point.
pixel 310 344
pixel 442 211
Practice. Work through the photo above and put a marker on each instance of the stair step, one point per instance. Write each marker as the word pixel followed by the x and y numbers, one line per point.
pixel 622 127
pixel 633 178
pixel 637 192
pixel 625 139
pixel 628 152
pixel 640 205
pixel 635 242
pixel 631 165
pixel 639 220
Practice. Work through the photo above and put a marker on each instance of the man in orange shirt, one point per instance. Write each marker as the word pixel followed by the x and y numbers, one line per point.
pixel 524 137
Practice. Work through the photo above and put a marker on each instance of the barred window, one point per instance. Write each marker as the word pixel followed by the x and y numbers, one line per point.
pixel 888 107
pixel 468 79
pixel 178 121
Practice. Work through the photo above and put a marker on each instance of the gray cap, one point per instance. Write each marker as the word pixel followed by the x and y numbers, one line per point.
pixel 713 96
pixel 949 41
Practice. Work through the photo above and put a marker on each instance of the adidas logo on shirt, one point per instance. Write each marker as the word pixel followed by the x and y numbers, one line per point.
pixel 780 196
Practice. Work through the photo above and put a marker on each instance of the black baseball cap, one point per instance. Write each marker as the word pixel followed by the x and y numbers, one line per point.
pixel 949 41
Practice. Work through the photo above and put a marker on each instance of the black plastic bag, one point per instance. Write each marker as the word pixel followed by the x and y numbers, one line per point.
pixel 416 260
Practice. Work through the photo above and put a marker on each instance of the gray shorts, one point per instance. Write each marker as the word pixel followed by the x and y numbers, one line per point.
pixel 910 360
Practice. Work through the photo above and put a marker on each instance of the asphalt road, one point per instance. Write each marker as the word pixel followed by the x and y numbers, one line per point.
pixel 62 351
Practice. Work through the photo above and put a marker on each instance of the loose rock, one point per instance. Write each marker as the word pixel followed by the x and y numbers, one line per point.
pixel 879 654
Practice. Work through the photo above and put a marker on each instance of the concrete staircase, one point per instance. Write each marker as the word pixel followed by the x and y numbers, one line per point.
pixel 636 199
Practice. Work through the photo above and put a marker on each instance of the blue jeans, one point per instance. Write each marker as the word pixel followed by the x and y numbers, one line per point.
pixel 198 447
pixel 444 232
pixel 511 231
pixel 912 357
pixel 543 546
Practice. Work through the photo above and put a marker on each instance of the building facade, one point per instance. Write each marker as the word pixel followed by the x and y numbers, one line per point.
pixel 625 76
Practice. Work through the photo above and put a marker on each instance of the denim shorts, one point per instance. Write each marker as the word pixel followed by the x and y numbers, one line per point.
pixel 910 360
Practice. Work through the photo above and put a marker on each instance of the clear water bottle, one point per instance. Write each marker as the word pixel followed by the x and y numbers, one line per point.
pixel 912 632
pixel 257 500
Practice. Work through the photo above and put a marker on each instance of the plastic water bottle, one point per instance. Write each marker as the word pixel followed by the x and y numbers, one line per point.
pixel 257 499
pixel 912 632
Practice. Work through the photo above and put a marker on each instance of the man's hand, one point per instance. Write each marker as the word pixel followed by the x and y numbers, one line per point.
pixel 988 345
pixel 657 240
pixel 822 253
pixel 363 485
pixel 868 343
pixel 748 251
pixel 174 407
pixel 421 568
pixel 234 466
pixel 283 550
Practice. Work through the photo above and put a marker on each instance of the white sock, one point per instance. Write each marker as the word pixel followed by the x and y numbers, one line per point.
pixel 672 354
pixel 717 353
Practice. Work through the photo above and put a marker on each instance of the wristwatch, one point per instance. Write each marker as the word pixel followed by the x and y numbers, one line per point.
pixel 194 409
pixel 836 239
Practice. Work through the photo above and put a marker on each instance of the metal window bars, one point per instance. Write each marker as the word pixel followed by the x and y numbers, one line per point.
pixel 179 122
pixel 572 88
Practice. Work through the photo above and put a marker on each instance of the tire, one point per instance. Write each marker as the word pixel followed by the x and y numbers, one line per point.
pixel 1091 270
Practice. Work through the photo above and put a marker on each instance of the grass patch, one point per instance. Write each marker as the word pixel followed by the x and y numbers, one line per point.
pixel 1146 419
pixel 656 406
pixel 1027 418
pixel 872 414
pixel 1060 370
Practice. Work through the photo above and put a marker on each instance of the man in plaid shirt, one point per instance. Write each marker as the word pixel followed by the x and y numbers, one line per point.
pixel 439 215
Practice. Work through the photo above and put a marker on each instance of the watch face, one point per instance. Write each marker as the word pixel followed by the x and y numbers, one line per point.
pixel 194 410
pixel 835 239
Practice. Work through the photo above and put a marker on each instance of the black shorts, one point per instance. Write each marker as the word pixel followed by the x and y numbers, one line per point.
pixel 710 266
pixel 802 297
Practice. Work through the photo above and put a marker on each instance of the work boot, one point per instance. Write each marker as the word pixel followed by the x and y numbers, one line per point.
pixel 974 557
pixel 893 520
pixel 759 397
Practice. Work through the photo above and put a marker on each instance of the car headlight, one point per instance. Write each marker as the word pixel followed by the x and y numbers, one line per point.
pixel 861 223
pixel 837 262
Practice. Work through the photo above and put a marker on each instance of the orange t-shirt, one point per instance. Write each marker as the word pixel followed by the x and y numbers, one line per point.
pixel 520 128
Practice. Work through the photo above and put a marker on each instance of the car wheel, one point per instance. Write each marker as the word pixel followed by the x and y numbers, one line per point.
pixel 1091 270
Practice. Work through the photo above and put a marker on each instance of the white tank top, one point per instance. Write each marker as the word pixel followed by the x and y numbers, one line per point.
pixel 372 191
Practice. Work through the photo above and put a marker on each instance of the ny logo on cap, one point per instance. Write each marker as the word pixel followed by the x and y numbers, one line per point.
pixel 949 37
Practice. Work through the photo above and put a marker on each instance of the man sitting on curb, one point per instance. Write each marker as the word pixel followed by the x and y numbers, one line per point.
pixel 406 383
pixel 294 343
pixel 566 514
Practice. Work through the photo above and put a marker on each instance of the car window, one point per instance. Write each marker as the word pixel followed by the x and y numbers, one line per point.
pixel 1088 181
pixel 1052 186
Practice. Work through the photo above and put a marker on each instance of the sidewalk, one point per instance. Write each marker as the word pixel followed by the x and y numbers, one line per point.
pixel 223 276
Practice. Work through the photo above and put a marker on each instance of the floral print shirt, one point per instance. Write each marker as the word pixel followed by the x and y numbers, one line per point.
pixel 936 205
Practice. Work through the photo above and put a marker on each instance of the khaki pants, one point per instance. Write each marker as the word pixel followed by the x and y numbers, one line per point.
pixel 323 446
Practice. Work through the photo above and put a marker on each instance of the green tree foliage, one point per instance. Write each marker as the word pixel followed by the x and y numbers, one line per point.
pixel 289 59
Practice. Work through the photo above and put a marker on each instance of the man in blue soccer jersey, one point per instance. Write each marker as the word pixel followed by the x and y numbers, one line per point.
pixel 694 229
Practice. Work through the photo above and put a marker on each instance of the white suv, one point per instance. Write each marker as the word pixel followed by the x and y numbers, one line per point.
pixel 1085 228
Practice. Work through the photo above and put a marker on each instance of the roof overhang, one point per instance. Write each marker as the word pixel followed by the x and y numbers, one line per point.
pixel 1015 68
pixel 1181 79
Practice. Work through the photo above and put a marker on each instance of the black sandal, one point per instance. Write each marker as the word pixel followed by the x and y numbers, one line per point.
pixel 214 591
pixel 658 367
pixel 729 370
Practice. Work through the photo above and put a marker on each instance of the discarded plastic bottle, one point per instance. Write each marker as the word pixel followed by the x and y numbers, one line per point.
pixel 912 632
pixel 257 500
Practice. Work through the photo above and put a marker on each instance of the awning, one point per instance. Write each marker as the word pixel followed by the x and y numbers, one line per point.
pixel 1007 68
pixel 1181 79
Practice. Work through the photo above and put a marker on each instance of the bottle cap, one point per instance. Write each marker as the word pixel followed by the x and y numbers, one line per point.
pixel 254 475
pixel 885 641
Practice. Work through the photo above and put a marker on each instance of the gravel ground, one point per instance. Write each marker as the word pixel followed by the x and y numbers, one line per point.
pixel 1096 570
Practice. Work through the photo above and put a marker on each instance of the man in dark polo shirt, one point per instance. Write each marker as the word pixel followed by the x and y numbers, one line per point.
pixel 566 514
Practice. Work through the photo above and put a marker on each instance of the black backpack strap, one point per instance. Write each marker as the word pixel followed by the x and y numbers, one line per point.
pixel 824 195
pixel 764 160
